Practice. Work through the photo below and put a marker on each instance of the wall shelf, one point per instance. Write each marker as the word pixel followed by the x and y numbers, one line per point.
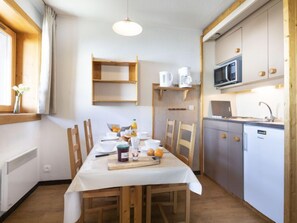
pixel 163 89
pixel 114 81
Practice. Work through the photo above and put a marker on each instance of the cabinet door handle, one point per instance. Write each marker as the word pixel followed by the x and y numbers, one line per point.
pixel 262 73
pixel 223 135
pixel 237 50
pixel 272 70
pixel 236 139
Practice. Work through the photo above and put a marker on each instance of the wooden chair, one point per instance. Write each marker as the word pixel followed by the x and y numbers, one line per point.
pixel 169 135
pixel 75 164
pixel 185 152
pixel 88 135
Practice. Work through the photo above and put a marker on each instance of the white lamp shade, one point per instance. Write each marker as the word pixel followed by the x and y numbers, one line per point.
pixel 127 28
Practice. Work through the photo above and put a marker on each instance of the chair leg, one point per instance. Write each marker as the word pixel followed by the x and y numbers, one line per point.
pixel 82 215
pixel 175 202
pixel 188 203
pixel 100 216
pixel 148 204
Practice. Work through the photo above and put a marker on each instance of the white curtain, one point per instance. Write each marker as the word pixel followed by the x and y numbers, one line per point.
pixel 47 86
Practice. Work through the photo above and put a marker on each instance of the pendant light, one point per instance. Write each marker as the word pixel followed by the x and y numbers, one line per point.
pixel 127 27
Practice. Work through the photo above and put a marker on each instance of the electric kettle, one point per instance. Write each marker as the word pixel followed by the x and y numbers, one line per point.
pixel 166 79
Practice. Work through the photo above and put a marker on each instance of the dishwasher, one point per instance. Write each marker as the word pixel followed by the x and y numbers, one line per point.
pixel 264 170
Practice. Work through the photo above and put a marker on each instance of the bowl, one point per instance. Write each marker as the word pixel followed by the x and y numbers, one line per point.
pixel 117 128
pixel 107 146
pixel 152 143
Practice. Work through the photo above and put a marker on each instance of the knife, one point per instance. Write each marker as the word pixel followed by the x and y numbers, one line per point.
pixel 100 155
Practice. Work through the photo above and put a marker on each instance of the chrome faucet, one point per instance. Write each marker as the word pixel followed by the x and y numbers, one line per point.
pixel 271 118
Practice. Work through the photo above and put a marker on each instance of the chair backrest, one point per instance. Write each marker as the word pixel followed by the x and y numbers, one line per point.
pixel 74 150
pixel 169 133
pixel 186 143
pixel 88 135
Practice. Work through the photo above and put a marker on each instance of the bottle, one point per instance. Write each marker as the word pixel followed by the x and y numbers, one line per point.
pixel 134 128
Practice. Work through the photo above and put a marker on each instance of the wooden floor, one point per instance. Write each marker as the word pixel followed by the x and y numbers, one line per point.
pixel 215 205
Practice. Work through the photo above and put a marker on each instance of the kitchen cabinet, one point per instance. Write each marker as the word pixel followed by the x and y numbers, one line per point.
pixel 114 81
pixel 228 46
pixel 262 45
pixel 223 154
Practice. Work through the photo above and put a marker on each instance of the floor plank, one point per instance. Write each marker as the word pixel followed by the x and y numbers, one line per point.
pixel 45 205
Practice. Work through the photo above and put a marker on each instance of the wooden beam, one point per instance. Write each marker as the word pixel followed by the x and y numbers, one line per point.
pixel 201 115
pixel 222 16
pixel 290 42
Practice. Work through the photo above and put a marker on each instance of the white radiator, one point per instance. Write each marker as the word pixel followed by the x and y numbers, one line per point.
pixel 18 176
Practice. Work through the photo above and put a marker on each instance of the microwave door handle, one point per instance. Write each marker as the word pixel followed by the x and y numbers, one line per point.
pixel 226 73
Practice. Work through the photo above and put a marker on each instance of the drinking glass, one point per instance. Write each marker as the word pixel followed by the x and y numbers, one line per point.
pixel 135 144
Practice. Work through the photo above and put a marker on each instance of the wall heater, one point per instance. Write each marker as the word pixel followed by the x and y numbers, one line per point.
pixel 18 175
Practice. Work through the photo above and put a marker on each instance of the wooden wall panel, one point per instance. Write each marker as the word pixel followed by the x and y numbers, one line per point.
pixel 174 99
pixel 290 34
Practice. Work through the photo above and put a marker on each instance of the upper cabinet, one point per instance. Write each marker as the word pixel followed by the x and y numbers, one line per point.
pixel 228 46
pixel 262 45
pixel 114 81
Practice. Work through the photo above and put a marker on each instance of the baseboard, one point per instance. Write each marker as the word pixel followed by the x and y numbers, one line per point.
pixel 54 182
pixel 40 183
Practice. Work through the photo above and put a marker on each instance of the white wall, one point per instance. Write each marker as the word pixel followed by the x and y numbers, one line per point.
pixel 77 39
pixel 34 9
pixel 19 137
pixel 209 91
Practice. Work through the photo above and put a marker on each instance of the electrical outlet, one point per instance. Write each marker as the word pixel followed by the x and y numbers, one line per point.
pixel 47 168
pixel 191 107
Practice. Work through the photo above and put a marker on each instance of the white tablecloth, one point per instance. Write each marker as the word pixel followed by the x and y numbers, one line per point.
pixel 95 175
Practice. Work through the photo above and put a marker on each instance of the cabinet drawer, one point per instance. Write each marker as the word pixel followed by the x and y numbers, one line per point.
pixel 213 124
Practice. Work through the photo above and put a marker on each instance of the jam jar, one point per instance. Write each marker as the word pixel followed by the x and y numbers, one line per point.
pixel 123 152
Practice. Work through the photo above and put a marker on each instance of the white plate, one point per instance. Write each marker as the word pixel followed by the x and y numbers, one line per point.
pixel 144 137
pixel 109 138
pixel 98 149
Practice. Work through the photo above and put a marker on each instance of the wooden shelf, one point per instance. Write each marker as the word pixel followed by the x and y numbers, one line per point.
pixel 102 101
pixel 114 81
pixel 162 89
pixel 9 118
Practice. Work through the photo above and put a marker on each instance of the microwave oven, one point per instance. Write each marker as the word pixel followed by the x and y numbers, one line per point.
pixel 228 73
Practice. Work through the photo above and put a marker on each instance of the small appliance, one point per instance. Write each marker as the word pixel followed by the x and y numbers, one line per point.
pixel 185 79
pixel 166 79
pixel 228 73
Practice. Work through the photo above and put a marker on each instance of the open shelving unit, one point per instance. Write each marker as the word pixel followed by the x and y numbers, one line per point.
pixel 163 89
pixel 114 81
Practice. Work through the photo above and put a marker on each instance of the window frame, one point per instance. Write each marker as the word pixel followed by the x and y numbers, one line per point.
pixel 12 34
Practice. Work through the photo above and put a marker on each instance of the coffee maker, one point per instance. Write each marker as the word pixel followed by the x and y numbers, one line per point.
pixel 185 79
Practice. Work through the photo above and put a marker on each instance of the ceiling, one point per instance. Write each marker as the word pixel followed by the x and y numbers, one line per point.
pixel 184 14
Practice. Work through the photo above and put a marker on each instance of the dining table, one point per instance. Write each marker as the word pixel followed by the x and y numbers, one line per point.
pixel 95 174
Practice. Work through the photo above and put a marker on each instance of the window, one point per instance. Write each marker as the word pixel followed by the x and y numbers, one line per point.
pixel 7 68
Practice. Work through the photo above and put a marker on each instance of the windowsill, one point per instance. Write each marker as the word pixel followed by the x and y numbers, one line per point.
pixel 9 118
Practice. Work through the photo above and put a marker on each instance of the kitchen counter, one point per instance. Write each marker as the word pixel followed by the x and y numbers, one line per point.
pixel 250 121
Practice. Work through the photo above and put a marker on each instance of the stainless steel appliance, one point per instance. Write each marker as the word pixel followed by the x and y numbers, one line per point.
pixel 228 73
